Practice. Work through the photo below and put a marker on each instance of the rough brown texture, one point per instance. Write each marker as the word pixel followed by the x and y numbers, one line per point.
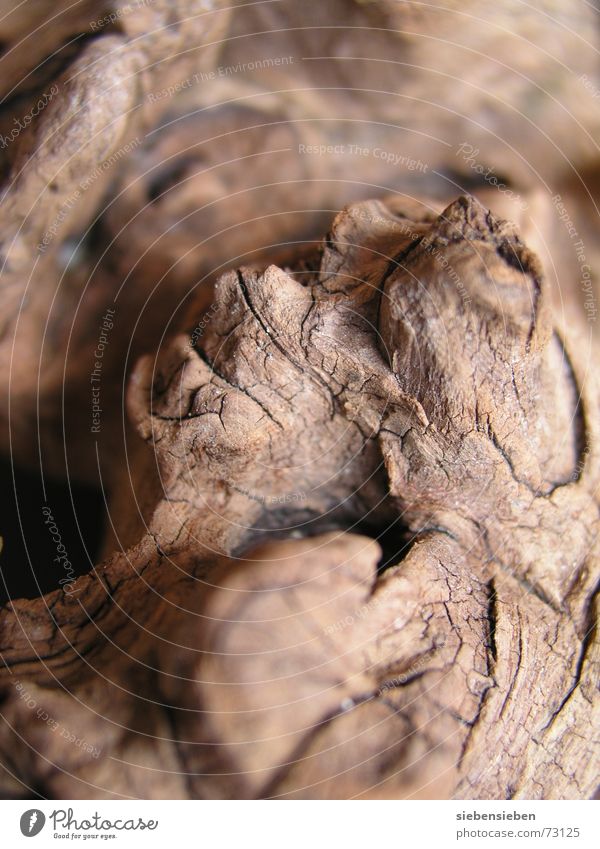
pixel 55 178
pixel 351 547
pixel 216 179
pixel 405 381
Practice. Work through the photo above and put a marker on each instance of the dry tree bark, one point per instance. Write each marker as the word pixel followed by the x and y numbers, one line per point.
pixel 354 545
pixel 405 381
pixel 203 190
pixel 55 178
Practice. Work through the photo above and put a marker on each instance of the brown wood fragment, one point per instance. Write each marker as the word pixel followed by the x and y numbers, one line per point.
pixel 405 382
